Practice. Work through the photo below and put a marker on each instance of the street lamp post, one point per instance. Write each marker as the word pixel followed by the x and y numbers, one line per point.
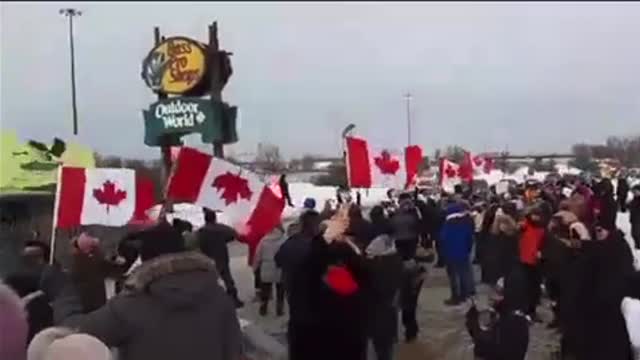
pixel 407 97
pixel 71 13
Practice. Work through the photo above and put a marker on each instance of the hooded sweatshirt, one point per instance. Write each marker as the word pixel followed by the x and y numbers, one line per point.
pixel 172 308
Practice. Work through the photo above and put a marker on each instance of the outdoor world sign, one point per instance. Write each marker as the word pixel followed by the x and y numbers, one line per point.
pixel 175 66
pixel 185 115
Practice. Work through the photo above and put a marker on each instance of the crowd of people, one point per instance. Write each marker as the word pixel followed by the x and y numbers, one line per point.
pixel 348 279
pixel 563 238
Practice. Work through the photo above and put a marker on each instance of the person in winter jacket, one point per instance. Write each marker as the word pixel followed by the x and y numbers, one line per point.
pixel 584 204
pixel 503 333
pixel 35 264
pixel 606 208
pixel 622 192
pixel 557 251
pixel 634 215
pixel 385 274
pixel 213 238
pixel 284 185
pixel 531 242
pixel 89 271
pixel 598 281
pixel 270 274
pixel 36 303
pixel 293 259
pixel 336 277
pixel 457 242
pixel 502 247
pixel 485 239
pixel 14 328
pixel 359 228
pixel 172 307
pixel 405 225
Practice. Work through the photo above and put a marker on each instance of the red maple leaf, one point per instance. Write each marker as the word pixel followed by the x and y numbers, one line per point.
pixel 109 195
pixel 450 171
pixel 386 164
pixel 233 187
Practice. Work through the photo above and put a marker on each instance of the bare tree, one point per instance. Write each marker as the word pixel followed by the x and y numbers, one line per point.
pixel 337 176
pixel 307 162
pixel 584 158
pixel 268 158
pixel 455 153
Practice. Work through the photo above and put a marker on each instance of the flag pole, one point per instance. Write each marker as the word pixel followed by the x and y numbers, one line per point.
pixel 167 204
pixel 56 204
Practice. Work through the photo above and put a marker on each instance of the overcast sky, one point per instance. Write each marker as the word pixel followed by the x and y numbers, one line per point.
pixel 530 77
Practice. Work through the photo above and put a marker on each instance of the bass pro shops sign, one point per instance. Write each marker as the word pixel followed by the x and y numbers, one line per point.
pixel 177 65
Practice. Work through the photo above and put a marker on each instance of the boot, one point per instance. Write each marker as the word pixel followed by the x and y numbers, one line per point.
pixel 234 296
pixel 237 302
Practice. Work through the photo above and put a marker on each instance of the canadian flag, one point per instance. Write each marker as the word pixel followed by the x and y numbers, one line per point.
pixel 252 207
pixel 449 175
pixel 467 168
pixel 482 164
pixel 111 197
pixel 367 168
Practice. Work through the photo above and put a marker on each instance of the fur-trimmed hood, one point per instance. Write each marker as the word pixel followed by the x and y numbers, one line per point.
pixel 179 280
pixel 161 266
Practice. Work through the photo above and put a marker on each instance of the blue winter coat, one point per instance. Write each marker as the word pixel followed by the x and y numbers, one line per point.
pixel 457 236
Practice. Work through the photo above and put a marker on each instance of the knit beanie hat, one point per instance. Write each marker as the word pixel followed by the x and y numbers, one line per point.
pixel 159 240
pixel 13 325
pixel 309 203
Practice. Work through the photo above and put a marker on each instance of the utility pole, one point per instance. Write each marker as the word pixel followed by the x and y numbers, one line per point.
pixel 407 97
pixel 71 13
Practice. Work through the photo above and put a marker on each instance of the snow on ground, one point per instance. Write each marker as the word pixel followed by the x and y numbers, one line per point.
pixel 624 225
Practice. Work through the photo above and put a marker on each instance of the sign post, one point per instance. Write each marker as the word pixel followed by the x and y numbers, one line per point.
pixel 216 90
pixel 165 149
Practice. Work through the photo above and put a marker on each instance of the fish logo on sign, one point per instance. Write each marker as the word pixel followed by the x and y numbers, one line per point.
pixel 175 66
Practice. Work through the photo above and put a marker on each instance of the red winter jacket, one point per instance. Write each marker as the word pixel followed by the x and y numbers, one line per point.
pixel 530 243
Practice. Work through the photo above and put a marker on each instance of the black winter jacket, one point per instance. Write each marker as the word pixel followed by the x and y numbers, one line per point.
pixel 172 308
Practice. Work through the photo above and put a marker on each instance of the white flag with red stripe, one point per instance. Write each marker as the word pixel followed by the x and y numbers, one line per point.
pixel 252 207
pixel 368 167
pixel 111 197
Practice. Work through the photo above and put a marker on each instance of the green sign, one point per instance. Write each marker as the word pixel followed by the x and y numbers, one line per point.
pixel 168 119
